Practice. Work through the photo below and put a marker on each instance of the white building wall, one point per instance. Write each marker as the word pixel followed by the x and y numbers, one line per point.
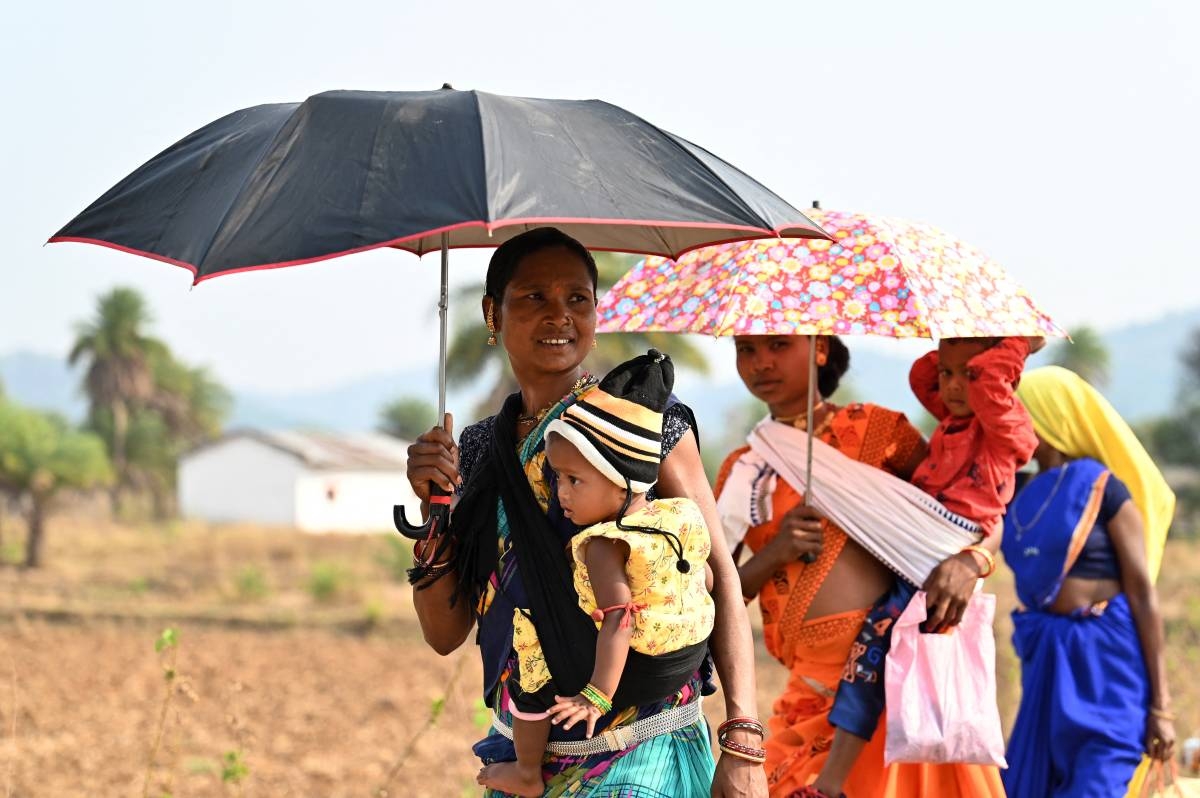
pixel 352 501
pixel 239 479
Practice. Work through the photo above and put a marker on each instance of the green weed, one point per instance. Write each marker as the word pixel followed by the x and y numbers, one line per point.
pixel 234 767
pixel 396 558
pixel 326 581
pixel 373 613
pixel 12 554
pixel 251 584
pixel 200 765
pixel 167 648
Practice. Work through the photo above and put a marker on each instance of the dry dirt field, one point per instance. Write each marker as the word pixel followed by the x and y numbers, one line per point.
pixel 299 670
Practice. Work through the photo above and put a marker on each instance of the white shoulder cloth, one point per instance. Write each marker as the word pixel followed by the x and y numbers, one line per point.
pixel 900 525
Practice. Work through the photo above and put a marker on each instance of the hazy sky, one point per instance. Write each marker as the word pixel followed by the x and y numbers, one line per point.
pixel 1060 137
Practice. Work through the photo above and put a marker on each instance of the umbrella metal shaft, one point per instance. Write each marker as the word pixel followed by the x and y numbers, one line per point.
pixel 443 317
pixel 812 395
pixel 810 557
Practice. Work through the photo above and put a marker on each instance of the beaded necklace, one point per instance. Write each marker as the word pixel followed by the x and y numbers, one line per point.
pixel 801 421
pixel 535 418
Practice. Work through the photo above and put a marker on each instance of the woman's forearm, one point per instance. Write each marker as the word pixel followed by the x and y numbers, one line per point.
pixel 443 626
pixel 732 643
pixel 1129 543
pixel 755 572
pixel 1143 605
pixel 682 475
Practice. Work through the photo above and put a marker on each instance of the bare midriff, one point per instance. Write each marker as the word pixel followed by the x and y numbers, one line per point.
pixel 854 582
pixel 1082 594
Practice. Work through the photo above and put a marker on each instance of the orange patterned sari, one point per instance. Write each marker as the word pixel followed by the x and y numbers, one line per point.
pixel 815 650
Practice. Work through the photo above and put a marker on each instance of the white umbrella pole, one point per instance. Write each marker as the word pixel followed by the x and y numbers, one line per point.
pixel 439 506
pixel 812 396
pixel 443 316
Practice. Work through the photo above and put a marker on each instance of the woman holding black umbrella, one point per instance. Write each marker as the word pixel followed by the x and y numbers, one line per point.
pixel 540 305
pixel 291 183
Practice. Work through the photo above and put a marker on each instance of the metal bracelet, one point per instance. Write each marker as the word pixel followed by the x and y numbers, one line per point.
pixel 621 737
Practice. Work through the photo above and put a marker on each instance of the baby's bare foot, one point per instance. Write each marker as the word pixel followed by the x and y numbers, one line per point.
pixel 513 777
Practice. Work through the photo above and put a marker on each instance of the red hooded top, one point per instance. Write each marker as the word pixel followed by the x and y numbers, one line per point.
pixel 973 460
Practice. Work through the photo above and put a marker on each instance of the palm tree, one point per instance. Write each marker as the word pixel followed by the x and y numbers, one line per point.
pixel 1085 354
pixel 118 379
pixel 188 407
pixel 470 357
pixel 193 405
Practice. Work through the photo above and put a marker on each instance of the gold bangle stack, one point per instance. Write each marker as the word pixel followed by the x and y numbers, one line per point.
pixel 987 557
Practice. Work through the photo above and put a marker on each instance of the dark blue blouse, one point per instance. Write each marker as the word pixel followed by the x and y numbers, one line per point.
pixel 1098 560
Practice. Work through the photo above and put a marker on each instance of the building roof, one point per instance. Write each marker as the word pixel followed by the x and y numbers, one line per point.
pixel 329 451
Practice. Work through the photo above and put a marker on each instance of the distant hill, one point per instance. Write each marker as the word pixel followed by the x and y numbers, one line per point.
pixel 349 407
pixel 1144 360
pixel 1146 367
pixel 47 382
pixel 41 381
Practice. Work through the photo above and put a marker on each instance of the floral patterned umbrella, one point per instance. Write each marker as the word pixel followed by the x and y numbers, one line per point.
pixel 878 276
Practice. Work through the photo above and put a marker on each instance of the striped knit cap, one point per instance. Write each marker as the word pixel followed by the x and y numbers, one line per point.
pixel 617 425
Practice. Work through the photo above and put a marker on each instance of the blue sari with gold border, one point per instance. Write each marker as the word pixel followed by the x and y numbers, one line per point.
pixel 1082 717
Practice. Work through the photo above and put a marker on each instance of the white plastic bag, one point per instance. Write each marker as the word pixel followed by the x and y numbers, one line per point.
pixel 941 689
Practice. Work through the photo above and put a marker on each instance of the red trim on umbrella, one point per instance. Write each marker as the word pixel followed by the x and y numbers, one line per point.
pixel 760 232
pixel 119 248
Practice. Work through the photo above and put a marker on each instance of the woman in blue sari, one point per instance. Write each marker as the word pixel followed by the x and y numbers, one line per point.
pixel 540 305
pixel 1084 539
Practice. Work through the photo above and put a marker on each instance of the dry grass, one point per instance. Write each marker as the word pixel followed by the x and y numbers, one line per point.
pixel 312 712
pixel 320 693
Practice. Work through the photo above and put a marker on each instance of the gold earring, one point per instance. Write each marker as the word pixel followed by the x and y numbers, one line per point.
pixel 822 358
pixel 491 341
pixel 595 343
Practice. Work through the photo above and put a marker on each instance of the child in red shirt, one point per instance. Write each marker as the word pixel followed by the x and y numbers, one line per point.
pixel 984 435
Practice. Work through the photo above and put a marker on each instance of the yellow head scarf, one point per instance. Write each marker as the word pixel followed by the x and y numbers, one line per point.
pixel 1074 418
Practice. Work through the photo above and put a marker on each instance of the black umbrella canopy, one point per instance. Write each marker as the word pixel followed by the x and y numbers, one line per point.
pixel 345 171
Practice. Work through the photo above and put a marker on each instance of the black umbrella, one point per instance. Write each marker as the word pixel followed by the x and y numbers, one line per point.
pixel 347 171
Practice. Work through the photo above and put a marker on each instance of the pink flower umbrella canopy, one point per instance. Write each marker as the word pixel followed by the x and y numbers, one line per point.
pixel 878 276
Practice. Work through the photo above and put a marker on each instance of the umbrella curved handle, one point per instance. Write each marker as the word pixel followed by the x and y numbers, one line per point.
pixel 439 515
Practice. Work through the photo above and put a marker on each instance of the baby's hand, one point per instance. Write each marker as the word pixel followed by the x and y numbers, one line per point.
pixel 569 711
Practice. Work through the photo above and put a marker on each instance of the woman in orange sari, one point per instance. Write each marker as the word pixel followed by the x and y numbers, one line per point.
pixel 815 585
